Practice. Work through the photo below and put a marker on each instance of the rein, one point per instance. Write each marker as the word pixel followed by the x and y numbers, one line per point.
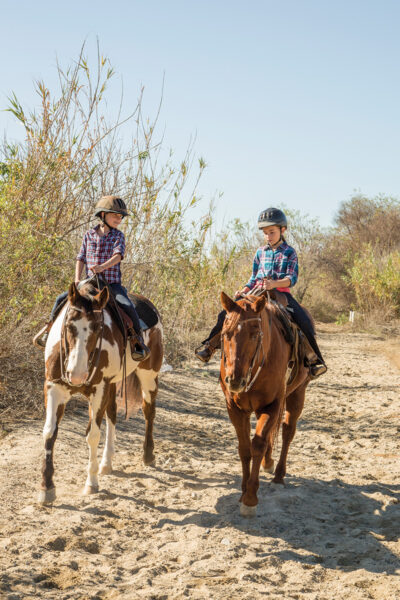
pixel 92 366
pixel 100 283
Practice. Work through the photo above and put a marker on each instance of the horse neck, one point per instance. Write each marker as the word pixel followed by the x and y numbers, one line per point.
pixel 276 343
pixel 115 330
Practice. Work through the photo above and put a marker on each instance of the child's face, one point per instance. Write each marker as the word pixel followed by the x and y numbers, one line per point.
pixel 113 219
pixel 272 234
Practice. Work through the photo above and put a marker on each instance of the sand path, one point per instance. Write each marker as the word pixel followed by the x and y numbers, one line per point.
pixel 174 530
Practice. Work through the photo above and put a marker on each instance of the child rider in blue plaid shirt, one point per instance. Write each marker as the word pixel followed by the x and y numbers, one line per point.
pixel 275 266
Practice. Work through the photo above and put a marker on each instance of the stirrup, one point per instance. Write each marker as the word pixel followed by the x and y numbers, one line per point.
pixel 40 338
pixel 139 350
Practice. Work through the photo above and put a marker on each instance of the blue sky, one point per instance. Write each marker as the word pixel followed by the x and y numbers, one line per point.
pixel 292 102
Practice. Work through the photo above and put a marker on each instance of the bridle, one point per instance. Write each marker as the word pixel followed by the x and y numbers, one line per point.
pixel 93 364
pixel 249 379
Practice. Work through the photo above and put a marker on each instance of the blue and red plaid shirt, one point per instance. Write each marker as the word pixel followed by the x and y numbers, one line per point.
pixel 95 250
pixel 274 264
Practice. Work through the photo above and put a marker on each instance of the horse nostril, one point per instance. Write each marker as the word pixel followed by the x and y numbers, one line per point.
pixel 227 379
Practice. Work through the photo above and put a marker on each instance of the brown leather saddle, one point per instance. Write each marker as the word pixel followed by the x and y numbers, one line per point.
pixel 302 353
pixel 147 315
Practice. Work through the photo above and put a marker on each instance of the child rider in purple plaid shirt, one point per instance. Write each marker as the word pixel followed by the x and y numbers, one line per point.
pixel 102 250
pixel 274 267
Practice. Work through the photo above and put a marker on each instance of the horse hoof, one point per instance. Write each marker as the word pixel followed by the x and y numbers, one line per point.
pixel 105 469
pixel 90 489
pixel 149 461
pixel 269 469
pixel 47 496
pixel 277 484
pixel 247 511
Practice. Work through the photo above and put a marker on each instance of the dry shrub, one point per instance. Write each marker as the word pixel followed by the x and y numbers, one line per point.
pixel 72 154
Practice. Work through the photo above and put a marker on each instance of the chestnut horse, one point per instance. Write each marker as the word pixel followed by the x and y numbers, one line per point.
pixel 253 376
pixel 85 354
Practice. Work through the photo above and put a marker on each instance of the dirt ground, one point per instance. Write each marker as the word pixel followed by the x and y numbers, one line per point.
pixel 174 530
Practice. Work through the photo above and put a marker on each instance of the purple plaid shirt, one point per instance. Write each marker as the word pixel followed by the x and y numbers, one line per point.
pixel 95 250
pixel 274 264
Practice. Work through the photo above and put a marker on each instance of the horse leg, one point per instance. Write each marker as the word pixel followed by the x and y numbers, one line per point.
pixel 294 407
pixel 241 422
pixel 96 410
pixel 55 399
pixel 149 383
pixel 109 446
pixel 266 422
pixel 267 462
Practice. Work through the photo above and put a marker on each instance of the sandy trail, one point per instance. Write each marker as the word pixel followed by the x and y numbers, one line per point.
pixel 174 530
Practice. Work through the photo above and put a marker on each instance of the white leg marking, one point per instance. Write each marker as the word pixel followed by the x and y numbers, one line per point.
pixel 248 511
pixel 270 469
pixel 148 382
pixel 109 448
pixel 93 438
pixel 47 496
pixel 56 395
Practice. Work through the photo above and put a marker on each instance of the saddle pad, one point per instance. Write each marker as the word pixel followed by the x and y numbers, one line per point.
pixel 146 311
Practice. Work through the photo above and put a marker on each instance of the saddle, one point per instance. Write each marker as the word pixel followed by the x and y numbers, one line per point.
pixel 302 352
pixel 146 311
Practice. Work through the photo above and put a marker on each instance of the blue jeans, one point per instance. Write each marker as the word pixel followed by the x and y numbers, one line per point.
pixel 122 298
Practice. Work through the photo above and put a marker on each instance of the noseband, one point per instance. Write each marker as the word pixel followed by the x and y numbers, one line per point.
pixel 250 381
pixel 92 366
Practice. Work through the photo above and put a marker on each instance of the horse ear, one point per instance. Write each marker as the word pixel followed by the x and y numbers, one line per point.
pixel 102 297
pixel 73 293
pixel 229 304
pixel 258 304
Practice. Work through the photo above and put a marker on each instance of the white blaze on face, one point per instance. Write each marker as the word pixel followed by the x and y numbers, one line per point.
pixel 78 358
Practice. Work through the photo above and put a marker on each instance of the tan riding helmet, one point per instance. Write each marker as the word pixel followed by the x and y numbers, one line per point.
pixel 111 204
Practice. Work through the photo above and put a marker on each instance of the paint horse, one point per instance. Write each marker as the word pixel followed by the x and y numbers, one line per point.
pixel 85 354
pixel 254 363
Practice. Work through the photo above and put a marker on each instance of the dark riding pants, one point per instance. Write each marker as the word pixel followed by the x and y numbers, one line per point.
pixel 299 315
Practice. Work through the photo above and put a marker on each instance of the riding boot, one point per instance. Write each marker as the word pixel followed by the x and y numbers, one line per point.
pixel 139 350
pixel 313 360
pixel 205 351
pixel 40 338
pixel 317 369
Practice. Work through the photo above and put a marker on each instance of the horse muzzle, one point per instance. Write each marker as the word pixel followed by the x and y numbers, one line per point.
pixel 235 384
pixel 77 379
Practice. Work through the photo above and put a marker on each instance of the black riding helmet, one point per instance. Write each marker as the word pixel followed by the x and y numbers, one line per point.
pixel 272 216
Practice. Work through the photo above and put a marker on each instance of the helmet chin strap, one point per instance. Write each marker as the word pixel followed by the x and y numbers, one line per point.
pixel 103 220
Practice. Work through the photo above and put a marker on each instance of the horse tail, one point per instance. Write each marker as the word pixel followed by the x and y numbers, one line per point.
pixel 130 400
